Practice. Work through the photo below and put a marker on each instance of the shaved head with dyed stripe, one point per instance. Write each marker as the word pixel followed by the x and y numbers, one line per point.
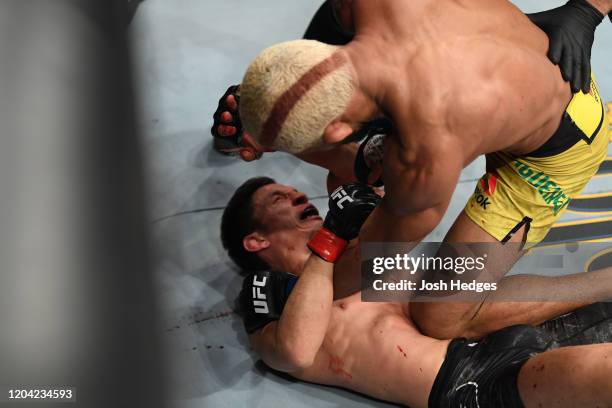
pixel 292 91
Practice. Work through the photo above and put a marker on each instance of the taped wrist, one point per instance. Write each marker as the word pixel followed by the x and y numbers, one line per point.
pixel 327 245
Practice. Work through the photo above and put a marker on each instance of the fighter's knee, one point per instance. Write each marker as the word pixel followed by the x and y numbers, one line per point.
pixel 439 320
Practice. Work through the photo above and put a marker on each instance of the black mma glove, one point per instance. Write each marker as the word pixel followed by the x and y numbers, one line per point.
pixel 369 157
pixel 263 297
pixel 371 150
pixel 240 142
pixel 571 31
pixel 349 207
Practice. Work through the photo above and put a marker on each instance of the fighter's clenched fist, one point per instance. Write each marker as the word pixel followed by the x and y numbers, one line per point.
pixel 349 207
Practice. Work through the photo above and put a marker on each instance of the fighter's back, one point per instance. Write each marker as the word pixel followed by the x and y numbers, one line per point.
pixel 475 69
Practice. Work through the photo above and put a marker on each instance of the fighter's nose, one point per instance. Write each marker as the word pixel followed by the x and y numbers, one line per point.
pixel 299 199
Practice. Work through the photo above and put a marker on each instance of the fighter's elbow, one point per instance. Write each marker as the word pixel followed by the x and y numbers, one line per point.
pixel 300 362
pixel 296 357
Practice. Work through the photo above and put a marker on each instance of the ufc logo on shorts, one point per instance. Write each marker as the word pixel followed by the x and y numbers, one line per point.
pixel 259 299
pixel 340 195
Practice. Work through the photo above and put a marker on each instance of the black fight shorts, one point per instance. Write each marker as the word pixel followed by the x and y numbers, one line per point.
pixel 483 373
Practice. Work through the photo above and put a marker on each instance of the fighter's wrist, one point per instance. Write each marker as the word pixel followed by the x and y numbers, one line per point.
pixel 327 245
pixel 593 9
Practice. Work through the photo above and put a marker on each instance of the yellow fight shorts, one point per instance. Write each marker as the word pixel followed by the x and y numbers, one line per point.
pixel 534 190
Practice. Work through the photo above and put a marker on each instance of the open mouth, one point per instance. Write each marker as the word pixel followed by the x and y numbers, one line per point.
pixel 309 212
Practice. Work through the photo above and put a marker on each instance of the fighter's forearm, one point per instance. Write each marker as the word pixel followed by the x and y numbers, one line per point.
pixel 531 299
pixel 385 226
pixel 339 161
pixel 303 323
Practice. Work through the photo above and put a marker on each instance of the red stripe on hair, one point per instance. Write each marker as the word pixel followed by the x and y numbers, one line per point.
pixel 283 105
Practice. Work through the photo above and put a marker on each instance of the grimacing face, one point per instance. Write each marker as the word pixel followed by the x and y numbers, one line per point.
pixel 282 210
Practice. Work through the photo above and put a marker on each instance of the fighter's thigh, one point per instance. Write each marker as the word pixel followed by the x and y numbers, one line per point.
pixel 577 376
pixel 444 319
pixel 500 256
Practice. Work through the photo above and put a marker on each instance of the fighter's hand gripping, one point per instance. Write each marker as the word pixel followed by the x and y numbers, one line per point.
pixel 571 31
pixel 349 207
pixel 228 133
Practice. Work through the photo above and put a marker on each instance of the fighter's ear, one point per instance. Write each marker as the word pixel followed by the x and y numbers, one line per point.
pixel 336 132
pixel 255 242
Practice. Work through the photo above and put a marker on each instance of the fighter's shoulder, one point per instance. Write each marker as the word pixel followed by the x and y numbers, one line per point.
pixel 446 101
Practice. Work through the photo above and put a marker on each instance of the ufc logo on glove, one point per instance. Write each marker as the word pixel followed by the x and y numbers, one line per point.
pixel 259 299
pixel 340 195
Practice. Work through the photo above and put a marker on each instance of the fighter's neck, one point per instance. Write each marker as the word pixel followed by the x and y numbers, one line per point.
pixel 292 263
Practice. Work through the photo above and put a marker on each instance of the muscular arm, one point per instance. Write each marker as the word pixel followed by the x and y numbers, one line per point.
pixel 541 304
pixel 291 343
pixel 418 187
pixel 339 161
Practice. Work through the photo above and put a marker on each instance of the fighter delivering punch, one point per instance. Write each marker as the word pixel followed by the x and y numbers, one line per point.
pixel 457 81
